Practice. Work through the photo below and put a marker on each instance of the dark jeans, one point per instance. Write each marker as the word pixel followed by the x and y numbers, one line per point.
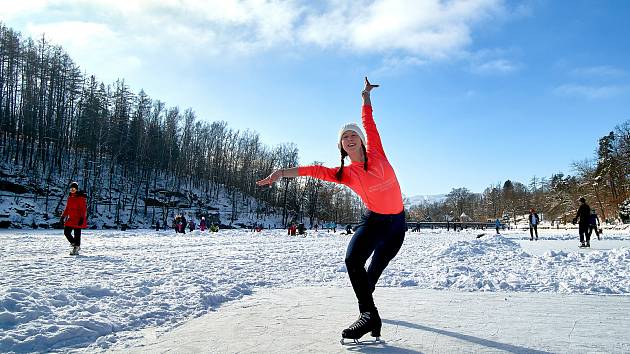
pixel 380 236
pixel 533 228
pixel 592 228
pixel 584 234
pixel 76 240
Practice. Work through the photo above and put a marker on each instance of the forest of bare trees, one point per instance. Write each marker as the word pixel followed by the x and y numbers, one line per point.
pixel 59 125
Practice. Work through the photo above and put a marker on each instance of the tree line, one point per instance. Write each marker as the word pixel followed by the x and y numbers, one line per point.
pixel 604 181
pixel 62 125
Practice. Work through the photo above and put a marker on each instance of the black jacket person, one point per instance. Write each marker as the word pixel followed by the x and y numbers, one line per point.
pixel 582 218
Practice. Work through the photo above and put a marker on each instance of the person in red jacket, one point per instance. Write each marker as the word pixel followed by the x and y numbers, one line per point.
pixel 292 229
pixel 381 232
pixel 74 217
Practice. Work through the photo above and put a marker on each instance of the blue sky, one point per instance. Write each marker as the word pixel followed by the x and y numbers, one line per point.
pixel 473 92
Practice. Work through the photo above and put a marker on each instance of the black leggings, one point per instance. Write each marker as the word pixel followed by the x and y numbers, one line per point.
pixel 380 236
pixel 76 240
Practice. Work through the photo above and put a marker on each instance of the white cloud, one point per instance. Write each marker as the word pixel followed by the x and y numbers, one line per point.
pixel 589 92
pixel 74 33
pixel 188 27
pixel 12 8
pixel 427 28
pixel 91 46
pixel 492 61
pixel 596 82
pixel 395 65
pixel 495 66
pixel 602 72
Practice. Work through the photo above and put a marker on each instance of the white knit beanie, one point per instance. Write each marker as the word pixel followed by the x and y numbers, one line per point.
pixel 352 127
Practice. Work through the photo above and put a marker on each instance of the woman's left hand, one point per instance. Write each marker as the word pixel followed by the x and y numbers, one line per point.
pixel 368 85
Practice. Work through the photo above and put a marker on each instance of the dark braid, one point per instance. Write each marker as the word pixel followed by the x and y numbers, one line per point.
pixel 365 157
pixel 340 170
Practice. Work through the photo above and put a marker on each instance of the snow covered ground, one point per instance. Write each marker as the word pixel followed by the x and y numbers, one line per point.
pixel 127 283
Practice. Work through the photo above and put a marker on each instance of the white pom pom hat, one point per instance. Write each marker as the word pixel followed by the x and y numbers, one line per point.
pixel 351 127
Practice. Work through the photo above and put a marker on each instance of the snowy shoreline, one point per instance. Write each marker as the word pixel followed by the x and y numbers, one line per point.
pixel 127 281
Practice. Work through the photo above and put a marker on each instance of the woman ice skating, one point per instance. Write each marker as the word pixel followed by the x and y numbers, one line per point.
pixel 74 217
pixel 381 232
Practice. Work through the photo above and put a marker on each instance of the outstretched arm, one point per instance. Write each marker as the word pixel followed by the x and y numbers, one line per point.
pixel 277 174
pixel 316 171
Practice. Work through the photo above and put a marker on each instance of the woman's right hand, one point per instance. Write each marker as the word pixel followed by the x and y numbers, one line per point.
pixel 276 175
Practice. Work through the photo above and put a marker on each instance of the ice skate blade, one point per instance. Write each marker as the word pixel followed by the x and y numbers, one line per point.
pixel 374 341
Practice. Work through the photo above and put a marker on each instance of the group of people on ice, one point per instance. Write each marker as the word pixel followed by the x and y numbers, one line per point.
pixel 587 221
pixel 180 224
pixel 296 229
pixel 586 218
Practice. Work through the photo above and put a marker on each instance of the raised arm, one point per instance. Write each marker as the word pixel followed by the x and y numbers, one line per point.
pixel 373 138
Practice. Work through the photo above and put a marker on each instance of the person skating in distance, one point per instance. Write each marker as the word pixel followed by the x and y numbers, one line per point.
pixel 381 232
pixel 74 217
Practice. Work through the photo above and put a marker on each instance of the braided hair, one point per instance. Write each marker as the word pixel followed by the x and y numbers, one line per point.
pixel 339 172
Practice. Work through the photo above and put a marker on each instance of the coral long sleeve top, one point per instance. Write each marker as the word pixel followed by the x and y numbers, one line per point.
pixel 377 187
